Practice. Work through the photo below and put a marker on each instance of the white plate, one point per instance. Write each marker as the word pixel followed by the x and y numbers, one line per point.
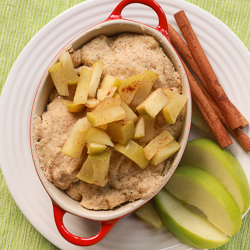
pixel 227 54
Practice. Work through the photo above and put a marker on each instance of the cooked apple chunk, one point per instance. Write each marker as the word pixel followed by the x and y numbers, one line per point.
pixel 92 103
pixel 134 152
pixel 153 104
pixel 72 107
pixel 145 88
pixel 130 114
pixel 110 81
pixel 104 93
pixel 81 94
pixel 160 141
pixel 149 131
pixel 129 87
pixel 121 131
pixel 174 107
pixel 95 169
pixel 59 79
pixel 165 152
pixel 74 145
pixel 95 148
pixel 108 102
pixel 139 128
pixel 95 78
pixel 68 67
pixel 98 118
pixel 99 136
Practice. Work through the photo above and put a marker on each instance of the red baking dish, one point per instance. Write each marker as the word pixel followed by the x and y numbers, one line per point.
pixel 113 25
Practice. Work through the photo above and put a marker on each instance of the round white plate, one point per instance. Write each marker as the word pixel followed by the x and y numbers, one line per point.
pixel 227 54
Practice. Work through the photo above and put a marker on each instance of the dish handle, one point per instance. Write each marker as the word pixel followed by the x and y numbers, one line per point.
pixel 106 226
pixel 162 26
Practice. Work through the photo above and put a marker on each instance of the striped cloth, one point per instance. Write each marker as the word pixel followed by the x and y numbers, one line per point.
pixel 20 20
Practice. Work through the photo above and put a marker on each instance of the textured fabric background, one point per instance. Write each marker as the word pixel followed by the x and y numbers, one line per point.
pixel 20 20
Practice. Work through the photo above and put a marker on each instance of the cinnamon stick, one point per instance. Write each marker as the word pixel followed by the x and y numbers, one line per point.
pixel 207 112
pixel 184 50
pixel 217 92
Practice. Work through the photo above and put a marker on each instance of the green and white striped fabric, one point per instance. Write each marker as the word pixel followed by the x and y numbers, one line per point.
pixel 20 20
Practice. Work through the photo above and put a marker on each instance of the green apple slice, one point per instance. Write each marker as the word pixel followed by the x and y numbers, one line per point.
pixel 188 227
pixel 148 213
pixel 222 164
pixel 198 188
pixel 95 148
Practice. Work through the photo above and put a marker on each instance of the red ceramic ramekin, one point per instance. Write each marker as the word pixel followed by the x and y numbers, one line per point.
pixel 113 25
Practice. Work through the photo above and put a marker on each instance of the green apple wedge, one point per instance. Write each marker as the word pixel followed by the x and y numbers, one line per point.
pixel 222 164
pixel 188 227
pixel 200 189
pixel 148 213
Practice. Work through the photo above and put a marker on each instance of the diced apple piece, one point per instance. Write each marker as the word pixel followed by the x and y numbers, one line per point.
pixel 145 88
pixel 92 103
pixel 97 118
pixel 131 116
pixel 188 227
pixel 59 79
pixel 108 102
pixel 169 92
pixel 121 131
pixel 104 93
pixel 68 67
pixel 95 78
pixel 103 127
pixel 81 94
pixel 165 152
pixel 160 141
pixel 139 128
pixel 95 148
pixel 129 87
pixel 86 173
pixel 149 131
pixel 99 136
pixel 174 107
pixel 153 104
pixel 74 145
pixel 72 107
pixel 134 152
pixel 110 81
pixel 95 169
pixel 148 213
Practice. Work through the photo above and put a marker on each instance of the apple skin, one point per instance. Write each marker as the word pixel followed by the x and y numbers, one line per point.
pixel 222 164
pixel 188 227
pixel 200 189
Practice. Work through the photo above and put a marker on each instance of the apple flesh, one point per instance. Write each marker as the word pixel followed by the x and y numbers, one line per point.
pixel 121 131
pixel 72 107
pixel 129 87
pixel 97 118
pixel 59 79
pixel 160 141
pixel 110 81
pixel 200 189
pixel 134 152
pixel 98 136
pixel 222 164
pixel 95 148
pixel 139 128
pixel 81 94
pixel 153 104
pixel 75 143
pixel 188 227
pixel 97 68
pixel 95 169
pixel 165 152
pixel 148 213
pixel 68 67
